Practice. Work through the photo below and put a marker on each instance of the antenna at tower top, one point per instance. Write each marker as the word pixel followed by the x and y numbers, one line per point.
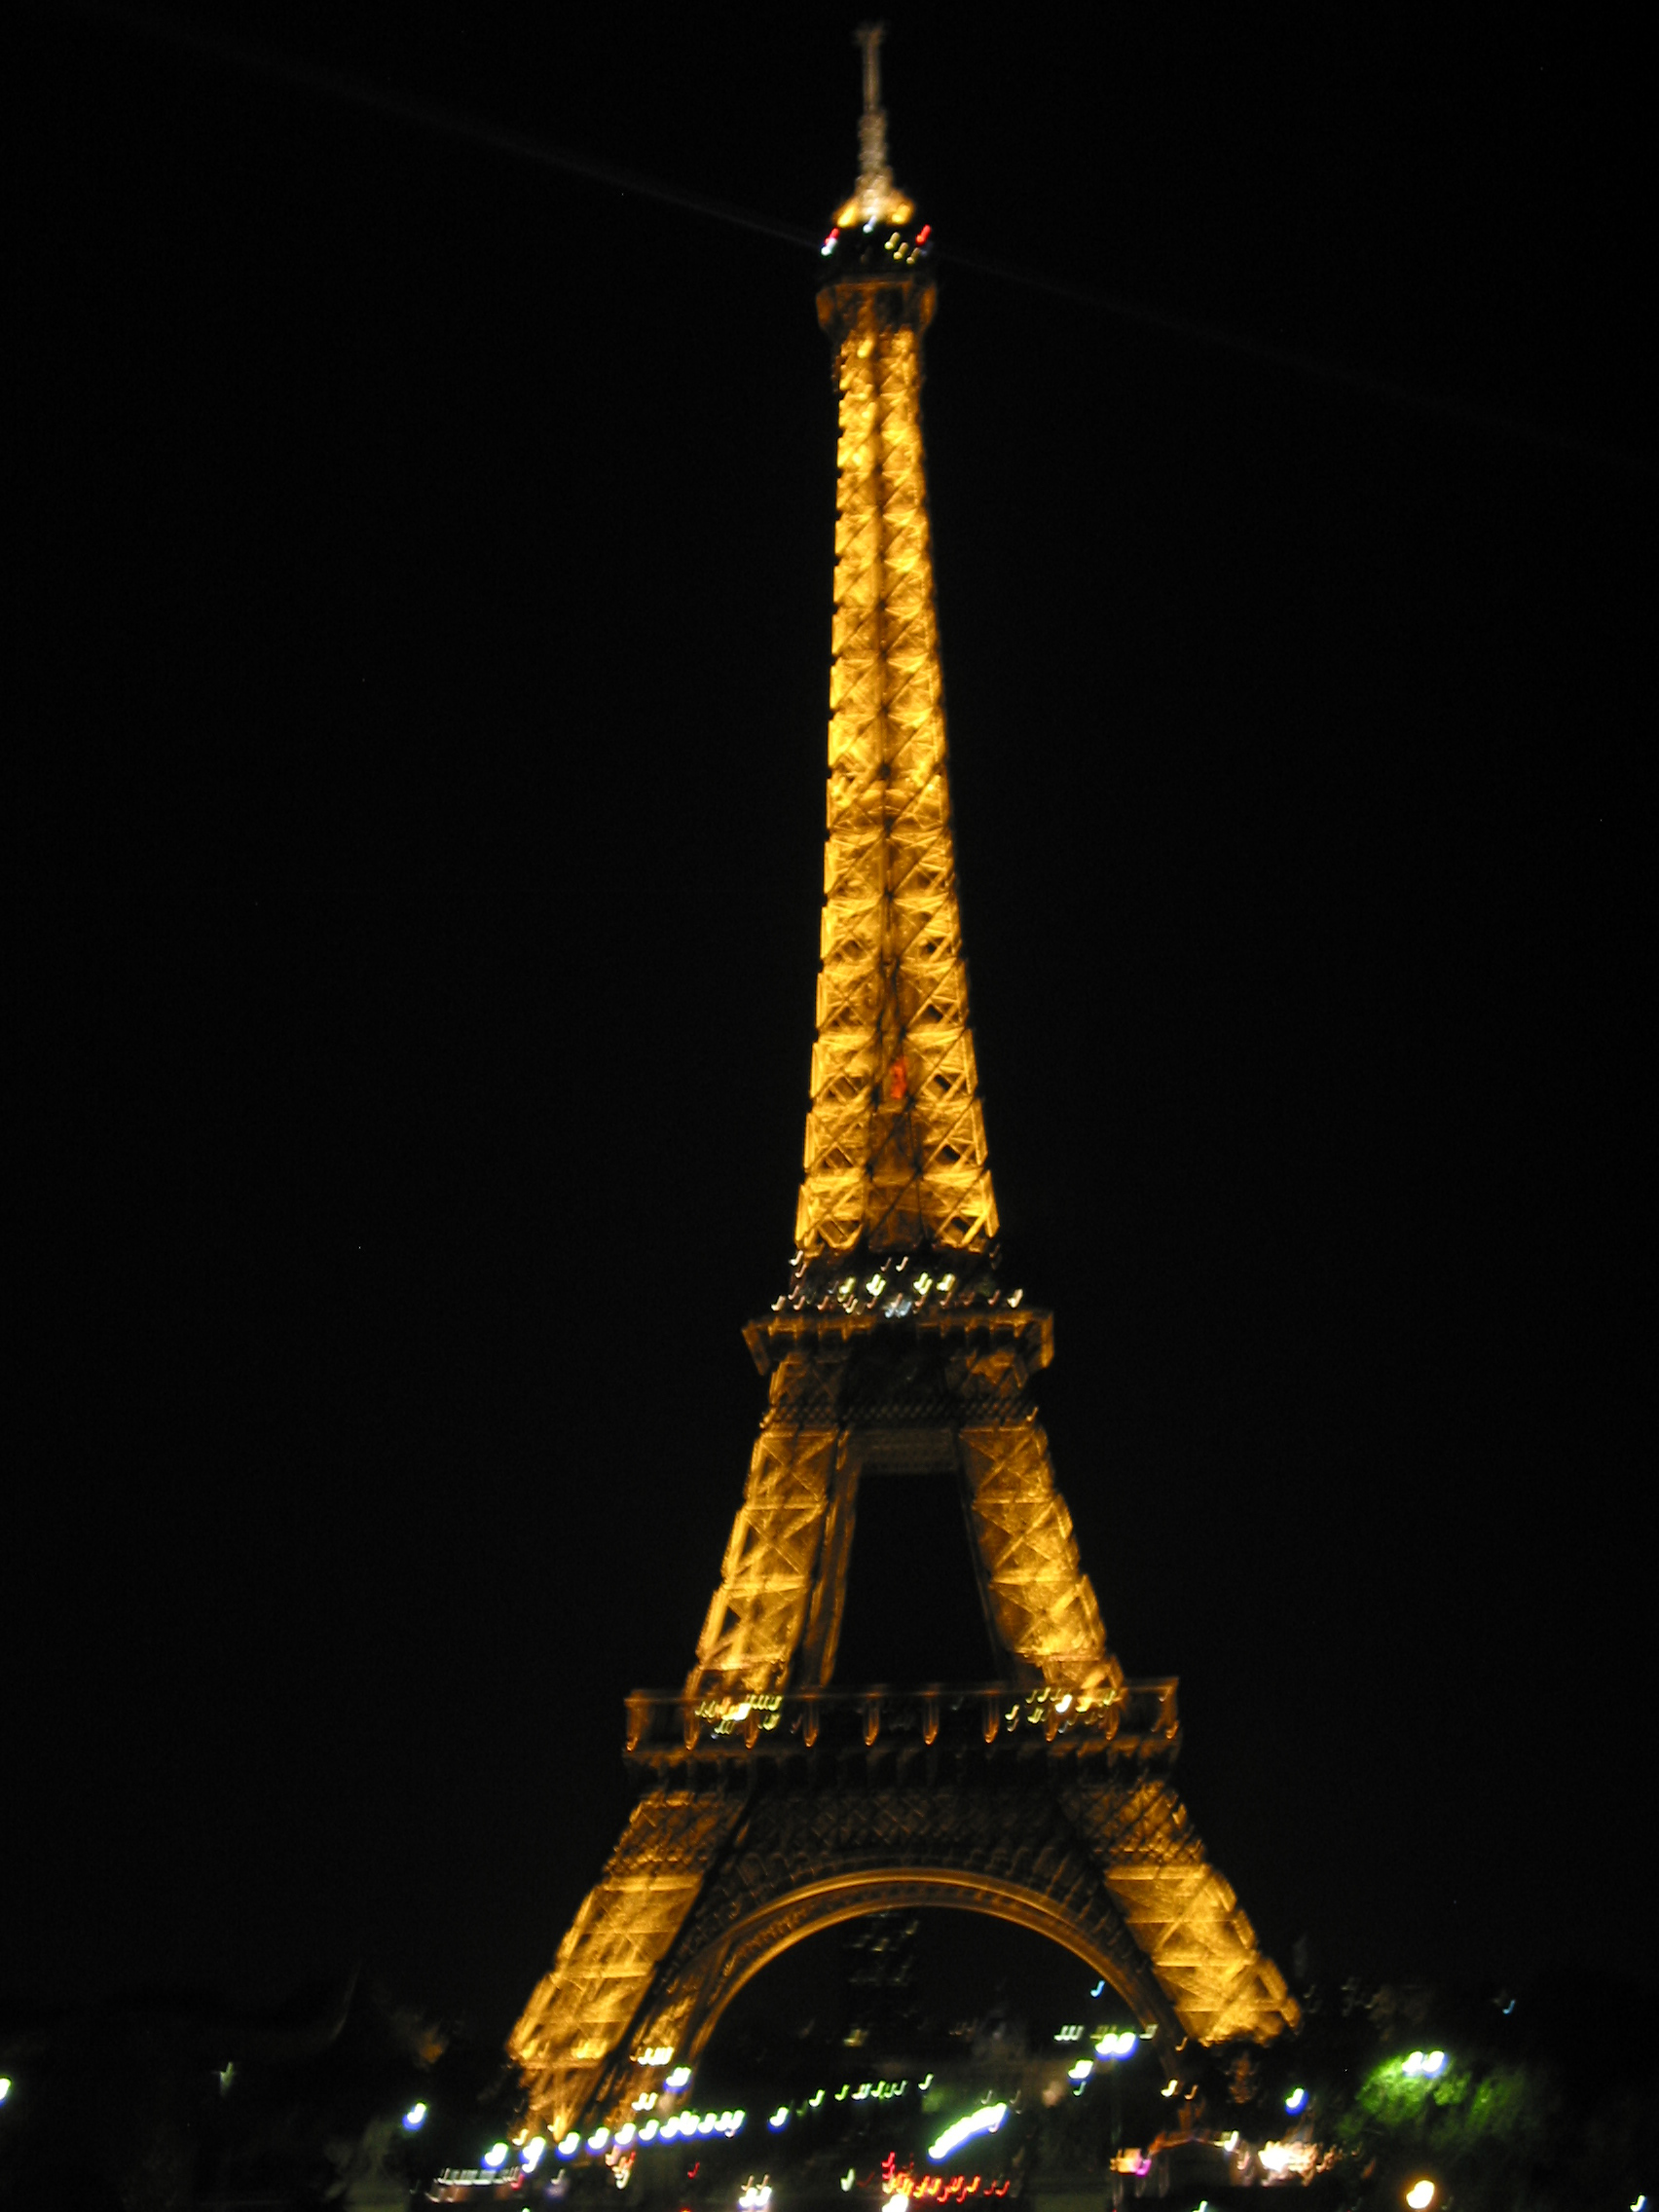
pixel 875 200
pixel 869 36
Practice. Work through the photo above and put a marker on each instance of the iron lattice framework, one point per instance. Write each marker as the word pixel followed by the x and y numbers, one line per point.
pixel 944 1391
pixel 774 1803
pixel 894 1139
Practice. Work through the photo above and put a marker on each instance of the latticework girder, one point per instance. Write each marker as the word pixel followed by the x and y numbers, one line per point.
pixel 760 1612
pixel 627 1925
pixel 1182 1913
pixel 1045 1613
pixel 894 1138
pixel 948 1393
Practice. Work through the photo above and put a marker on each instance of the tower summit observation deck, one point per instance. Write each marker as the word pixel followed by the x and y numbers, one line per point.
pixel 776 1798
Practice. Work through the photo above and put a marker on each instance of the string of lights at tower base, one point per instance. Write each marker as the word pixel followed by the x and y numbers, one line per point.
pixel 969 2129
pixel 946 2143
pixel 1074 2118
pixel 962 2133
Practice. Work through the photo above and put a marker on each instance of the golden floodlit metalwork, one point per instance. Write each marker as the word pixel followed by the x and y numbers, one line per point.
pixel 774 1801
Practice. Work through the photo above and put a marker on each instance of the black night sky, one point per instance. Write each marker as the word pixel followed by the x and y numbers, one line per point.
pixel 413 824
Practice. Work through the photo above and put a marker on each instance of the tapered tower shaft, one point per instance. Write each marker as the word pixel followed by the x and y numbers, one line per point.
pixel 895 1155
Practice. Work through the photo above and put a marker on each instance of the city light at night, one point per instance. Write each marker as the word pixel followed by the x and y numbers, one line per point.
pixel 986 2121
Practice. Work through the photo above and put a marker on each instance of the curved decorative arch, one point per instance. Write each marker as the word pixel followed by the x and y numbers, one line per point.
pixel 704 1890
pixel 796 1863
pixel 726 1966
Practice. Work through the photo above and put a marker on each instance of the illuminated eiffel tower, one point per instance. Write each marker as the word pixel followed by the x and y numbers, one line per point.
pixel 775 1801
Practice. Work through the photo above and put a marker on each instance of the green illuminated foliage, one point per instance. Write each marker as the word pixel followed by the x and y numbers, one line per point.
pixel 1485 2129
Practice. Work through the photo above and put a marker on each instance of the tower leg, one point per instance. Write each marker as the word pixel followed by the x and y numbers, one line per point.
pixel 583 2007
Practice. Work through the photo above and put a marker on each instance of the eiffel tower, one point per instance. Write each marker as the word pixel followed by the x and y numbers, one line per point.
pixel 775 1800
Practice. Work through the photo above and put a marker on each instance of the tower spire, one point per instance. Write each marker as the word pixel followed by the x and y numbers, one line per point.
pixel 876 198
pixel 875 178
pixel 895 1157
pixel 867 39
